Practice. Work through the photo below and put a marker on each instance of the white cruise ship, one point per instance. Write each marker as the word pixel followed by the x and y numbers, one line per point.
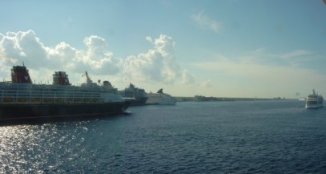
pixel 160 98
pixel 314 101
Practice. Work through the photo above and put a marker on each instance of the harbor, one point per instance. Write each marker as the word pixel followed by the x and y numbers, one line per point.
pixel 23 102
pixel 162 87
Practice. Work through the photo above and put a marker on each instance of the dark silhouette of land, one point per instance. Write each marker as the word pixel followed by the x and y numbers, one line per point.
pixel 200 98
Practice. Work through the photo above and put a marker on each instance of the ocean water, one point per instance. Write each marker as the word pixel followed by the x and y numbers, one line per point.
pixel 191 137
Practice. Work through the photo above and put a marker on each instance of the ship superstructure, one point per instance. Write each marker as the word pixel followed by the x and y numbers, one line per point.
pixel 138 96
pixel 314 100
pixel 160 98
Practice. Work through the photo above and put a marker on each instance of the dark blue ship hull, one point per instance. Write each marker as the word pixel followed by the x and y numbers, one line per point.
pixel 17 113
pixel 138 101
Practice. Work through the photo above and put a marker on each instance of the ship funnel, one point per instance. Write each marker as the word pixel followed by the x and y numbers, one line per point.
pixel 19 74
pixel 131 86
pixel 60 78
pixel 160 91
pixel 107 84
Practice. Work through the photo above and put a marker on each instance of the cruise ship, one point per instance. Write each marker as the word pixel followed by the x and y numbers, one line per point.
pixel 21 100
pixel 160 98
pixel 314 101
pixel 137 96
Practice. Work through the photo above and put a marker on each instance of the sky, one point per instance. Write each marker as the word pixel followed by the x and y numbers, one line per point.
pixel 225 48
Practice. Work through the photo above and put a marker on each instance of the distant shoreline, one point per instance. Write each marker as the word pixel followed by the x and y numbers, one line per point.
pixel 203 99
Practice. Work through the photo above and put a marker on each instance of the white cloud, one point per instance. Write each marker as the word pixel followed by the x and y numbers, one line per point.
pixel 149 39
pixel 206 22
pixel 254 78
pixel 187 78
pixel 206 84
pixel 295 53
pixel 299 58
pixel 156 64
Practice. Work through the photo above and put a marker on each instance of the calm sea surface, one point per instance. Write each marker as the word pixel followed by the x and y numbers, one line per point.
pixel 206 137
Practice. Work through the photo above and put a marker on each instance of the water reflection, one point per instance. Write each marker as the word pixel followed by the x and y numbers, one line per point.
pixel 39 148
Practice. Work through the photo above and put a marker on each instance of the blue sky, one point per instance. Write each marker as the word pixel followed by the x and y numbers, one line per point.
pixel 254 48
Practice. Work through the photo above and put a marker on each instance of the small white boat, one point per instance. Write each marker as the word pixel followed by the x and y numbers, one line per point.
pixel 160 98
pixel 314 101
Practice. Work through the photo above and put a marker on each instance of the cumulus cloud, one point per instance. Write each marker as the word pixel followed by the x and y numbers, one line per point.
pixel 206 22
pixel 187 78
pixel 156 64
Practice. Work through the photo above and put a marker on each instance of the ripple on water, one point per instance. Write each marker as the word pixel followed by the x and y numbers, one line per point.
pixel 214 137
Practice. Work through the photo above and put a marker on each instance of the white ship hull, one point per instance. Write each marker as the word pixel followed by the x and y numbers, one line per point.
pixel 160 99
